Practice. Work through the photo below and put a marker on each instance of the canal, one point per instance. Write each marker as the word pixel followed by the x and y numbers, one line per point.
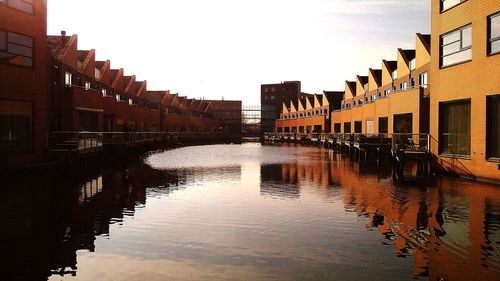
pixel 246 212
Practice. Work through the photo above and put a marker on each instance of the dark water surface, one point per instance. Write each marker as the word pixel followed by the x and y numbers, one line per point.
pixel 247 212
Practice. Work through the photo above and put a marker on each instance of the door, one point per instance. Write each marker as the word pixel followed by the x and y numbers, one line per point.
pixel 370 127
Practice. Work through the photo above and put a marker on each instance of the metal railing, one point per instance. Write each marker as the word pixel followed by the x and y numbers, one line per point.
pixel 411 142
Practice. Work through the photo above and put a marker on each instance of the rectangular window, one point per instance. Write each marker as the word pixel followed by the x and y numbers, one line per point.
pixel 413 64
pixel 456 46
pixel 68 77
pixel 16 126
pixel 347 127
pixel 494 34
pixel 336 128
pixel 422 80
pixel 22 5
pixel 383 125
pixel 403 86
pixel 386 92
pixel 447 4
pixel 455 128
pixel 87 85
pixel 412 82
pixel 358 127
pixel 97 73
pixel 493 127
pixel 104 92
pixel 16 49
pixel 394 74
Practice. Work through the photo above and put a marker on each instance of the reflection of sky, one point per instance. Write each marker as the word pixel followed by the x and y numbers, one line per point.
pixel 238 223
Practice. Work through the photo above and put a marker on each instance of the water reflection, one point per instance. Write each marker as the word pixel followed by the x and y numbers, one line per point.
pixel 316 217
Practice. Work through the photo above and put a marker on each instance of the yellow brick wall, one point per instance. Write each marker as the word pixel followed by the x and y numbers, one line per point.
pixel 472 80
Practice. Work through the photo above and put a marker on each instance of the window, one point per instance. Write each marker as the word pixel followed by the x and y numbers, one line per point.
pixel 383 125
pixel 454 127
pixel 87 85
pixel 494 34
pixel 394 74
pixel 386 92
pixel 22 5
pixel 456 46
pixel 16 49
pixel 412 82
pixel 413 64
pixel 104 92
pixel 97 73
pixel 373 98
pixel 16 126
pixel 117 97
pixel 131 102
pixel 493 126
pixel 422 80
pixel 336 128
pixel 358 127
pixel 403 86
pixel 447 4
pixel 68 77
pixel 347 127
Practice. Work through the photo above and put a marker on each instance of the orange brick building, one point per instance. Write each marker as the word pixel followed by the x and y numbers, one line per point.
pixel 393 99
pixel 24 82
pixel 309 113
pixel 465 79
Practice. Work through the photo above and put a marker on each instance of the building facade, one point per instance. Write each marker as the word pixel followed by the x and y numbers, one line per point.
pixel 24 81
pixel 391 100
pixel 465 105
pixel 272 97
pixel 309 114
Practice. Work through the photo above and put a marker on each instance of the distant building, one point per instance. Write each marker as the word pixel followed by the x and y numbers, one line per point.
pixel 24 82
pixel 228 115
pixel 310 113
pixel 272 97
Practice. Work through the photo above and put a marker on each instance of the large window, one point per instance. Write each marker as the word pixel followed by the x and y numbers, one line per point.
pixel 23 5
pixel 456 46
pixel 383 125
pixel 494 34
pixel 493 127
pixel 358 127
pixel 447 4
pixel 15 126
pixel 336 128
pixel 454 127
pixel 16 49
pixel 347 127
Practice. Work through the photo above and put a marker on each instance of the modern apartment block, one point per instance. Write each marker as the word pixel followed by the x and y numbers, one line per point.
pixel 272 97
pixel 24 80
pixel 309 113
pixel 393 99
pixel 465 79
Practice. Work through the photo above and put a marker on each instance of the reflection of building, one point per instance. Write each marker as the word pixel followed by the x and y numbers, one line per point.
pixel 465 105
pixel 443 228
pixel 24 81
pixel 272 97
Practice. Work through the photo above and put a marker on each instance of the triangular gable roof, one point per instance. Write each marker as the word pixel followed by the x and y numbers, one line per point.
pixel 404 58
pixel 64 51
pixel 423 50
pixel 309 102
pixel 374 79
pixel 350 90
pixel 302 104
pixel 387 68
pixel 318 100
pixel 117 76
pixel 140 88
pixel 129 83
pixel 361 81
pixel 284 108
pixel 293 107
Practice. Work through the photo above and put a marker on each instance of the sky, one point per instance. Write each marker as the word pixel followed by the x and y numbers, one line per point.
pixel 217 49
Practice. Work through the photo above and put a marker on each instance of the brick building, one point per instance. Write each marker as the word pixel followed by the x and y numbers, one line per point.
pixel 272 97
pixel 465 104
pixel 24 81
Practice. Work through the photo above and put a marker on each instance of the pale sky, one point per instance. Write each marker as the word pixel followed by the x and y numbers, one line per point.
pixel 228 48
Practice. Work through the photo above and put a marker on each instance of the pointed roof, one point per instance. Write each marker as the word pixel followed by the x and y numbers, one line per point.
pixel 426 41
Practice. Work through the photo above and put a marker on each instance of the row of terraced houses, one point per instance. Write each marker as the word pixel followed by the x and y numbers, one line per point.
pixel 49 85
pixel 448 86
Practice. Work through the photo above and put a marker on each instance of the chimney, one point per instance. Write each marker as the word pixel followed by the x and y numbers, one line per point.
pixel 63 37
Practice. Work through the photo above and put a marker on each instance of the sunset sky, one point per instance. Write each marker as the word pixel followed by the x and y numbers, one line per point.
pixel 227 48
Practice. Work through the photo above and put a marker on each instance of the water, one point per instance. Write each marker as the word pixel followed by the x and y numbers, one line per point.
pixel 247 212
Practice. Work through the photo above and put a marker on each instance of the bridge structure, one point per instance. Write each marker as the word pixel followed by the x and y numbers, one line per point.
pixel 251 121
